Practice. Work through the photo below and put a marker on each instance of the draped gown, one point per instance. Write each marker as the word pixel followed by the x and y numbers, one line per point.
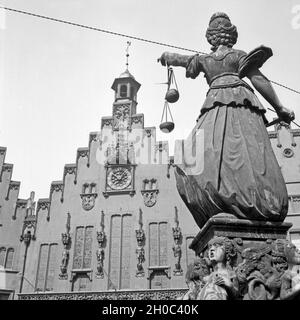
pixel 241 175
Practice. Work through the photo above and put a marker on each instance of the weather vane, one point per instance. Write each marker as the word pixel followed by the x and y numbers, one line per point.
pixel 127 53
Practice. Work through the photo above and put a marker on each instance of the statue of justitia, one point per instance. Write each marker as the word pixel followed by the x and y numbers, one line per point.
pixel 241 175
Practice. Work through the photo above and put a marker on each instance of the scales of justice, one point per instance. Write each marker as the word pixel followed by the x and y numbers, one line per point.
pixel 239 201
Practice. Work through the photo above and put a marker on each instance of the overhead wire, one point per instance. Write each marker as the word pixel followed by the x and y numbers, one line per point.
pixel 124 35
pixel 121 35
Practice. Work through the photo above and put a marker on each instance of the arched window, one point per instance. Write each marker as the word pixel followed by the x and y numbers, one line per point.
pixel 123 91
pixel 2 256
pixel 9 258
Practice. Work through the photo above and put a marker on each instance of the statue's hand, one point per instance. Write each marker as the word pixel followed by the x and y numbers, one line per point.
pixel 165 59
pixel 223 282
pixel 286 114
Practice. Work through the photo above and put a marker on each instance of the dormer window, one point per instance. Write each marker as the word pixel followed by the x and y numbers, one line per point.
pixel 123 91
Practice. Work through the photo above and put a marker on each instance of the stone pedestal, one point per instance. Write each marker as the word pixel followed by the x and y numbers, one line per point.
pixel 246 233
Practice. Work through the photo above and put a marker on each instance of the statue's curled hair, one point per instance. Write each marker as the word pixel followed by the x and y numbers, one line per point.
pixel 221 31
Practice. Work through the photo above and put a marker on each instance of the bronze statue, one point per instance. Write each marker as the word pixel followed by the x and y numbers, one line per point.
pixel 241 175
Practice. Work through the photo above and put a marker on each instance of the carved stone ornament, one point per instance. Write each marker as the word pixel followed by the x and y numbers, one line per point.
pixel 43 204
pixel 264 272
pixel 100 254
pixel 150 197
pixel 29 229
pixel 121 116
pixel 288 153
pixel 30 221
pixel 66 241
pixel 88 200
pixel 140 251
pixel 100 261
pixel 167 294
pixel 177 236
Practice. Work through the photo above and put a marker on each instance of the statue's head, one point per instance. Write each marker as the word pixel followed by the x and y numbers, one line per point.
pixel 221 249
pixel 221 31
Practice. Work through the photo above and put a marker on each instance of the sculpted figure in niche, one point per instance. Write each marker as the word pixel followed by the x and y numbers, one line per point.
pixel 222 283
pixel 241 175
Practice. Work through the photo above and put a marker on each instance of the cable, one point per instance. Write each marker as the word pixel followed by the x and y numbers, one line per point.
pixel 121 35
pixel 283 86
pixel 98 29
pixel 292 121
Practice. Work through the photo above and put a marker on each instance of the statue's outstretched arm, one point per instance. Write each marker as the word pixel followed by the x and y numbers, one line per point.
pixel 265 88
pixel 175 59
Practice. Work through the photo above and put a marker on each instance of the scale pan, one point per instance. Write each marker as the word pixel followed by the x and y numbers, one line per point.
pixel 167 127
pixel 172 95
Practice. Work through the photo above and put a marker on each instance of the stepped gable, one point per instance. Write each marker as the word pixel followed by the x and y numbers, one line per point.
pixel 9 189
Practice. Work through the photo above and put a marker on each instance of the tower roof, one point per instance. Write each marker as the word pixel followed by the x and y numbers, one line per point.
pixel 126 74
pixel 125 77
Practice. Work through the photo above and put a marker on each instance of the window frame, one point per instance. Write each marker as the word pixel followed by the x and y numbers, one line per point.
pixel 46 272
pixel 7 249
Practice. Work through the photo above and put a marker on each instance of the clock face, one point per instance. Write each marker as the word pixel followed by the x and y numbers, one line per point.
pixel 119 178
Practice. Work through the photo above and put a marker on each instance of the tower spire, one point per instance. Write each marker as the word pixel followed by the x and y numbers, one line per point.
pixel 127 54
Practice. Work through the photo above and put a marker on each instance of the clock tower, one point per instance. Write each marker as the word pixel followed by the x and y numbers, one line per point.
pixel 126 88
pixel 120 166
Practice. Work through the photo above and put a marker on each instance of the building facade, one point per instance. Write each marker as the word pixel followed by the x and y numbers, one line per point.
pixel 115 225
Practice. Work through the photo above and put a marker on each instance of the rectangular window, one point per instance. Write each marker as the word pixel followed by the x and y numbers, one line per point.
pixel 46 267
pixel 2 256
pixel 153 243
pixel 78 251
pixel 295 204
pixel 163 243
pixel 120 252
pixel 9 258
pixel 126 249
pixel 52 262
pixel 83 248
pixel 115 252
pixel 87 253
pixel 158 244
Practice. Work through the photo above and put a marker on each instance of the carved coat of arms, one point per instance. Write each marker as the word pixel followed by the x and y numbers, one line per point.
pixel 150 197
pixel 88 201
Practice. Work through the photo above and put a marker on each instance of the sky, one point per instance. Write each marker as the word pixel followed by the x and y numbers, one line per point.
pixel 55 79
